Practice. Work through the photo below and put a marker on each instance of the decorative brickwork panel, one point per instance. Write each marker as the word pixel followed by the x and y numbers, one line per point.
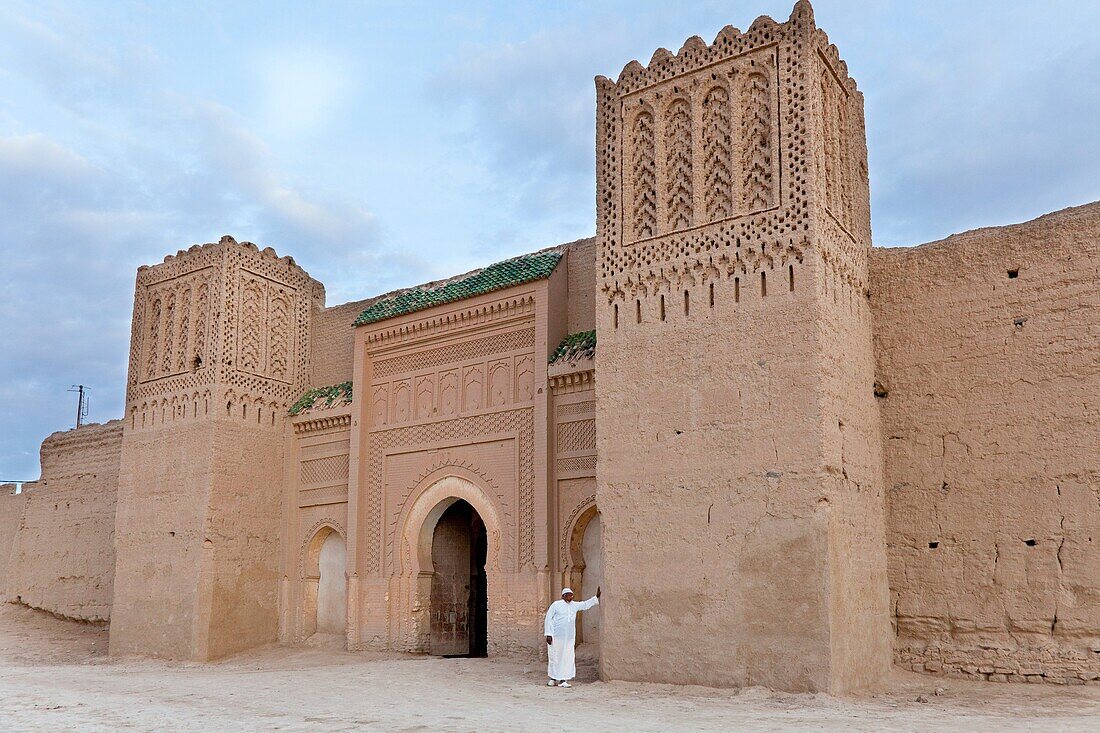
pixel 380 406
pixel 252 305
pixel 718 154
pixel 279 325
pixel 448 393
pixel 758 142
pixel 754 112
pixel 402 398
pixel 709 229
pixel 500 383
pixel 679 178
pixel 472 388
pixel 576 436
pixel 169 344
pixel 173 335
pixel 525 376
pixel 327 470
pixel 222 313
pixel 152 340
pixel 572 409
pixel 202 325
pixel 183 335
pixel 519 422
pixel 578 464
pixel 425 397
pixel 643 176
pixel 497 343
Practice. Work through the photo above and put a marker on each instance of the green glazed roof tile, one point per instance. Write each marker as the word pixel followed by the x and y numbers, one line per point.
pixel 575 346
pixel 337 394
pixel 516 271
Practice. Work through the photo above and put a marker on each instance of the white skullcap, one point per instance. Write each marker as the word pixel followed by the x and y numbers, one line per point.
pixel 566 590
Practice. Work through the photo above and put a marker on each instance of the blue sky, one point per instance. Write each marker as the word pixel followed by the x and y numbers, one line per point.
pixel 388 143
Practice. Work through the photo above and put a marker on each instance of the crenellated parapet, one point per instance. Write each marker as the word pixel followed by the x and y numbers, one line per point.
pixel 730 159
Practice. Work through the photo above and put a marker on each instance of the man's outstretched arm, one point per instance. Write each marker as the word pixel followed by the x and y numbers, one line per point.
pixel 594 600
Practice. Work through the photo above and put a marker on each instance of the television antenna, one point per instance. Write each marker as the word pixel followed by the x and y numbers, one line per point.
pixel 82 402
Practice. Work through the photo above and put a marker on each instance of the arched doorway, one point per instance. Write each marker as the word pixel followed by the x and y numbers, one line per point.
pixel 332 587
pixel 459 601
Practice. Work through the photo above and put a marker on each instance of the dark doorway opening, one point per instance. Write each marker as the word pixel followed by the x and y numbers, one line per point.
pixel 459 602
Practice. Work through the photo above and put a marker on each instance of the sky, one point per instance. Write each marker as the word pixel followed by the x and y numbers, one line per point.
pixel 383 144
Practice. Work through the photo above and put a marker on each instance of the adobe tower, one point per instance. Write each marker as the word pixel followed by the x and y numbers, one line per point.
pixel 739 470
pixel 219 349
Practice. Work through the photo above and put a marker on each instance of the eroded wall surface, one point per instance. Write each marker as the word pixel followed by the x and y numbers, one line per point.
pixel 161 510
pixel 581 285
pixel 11 516
pixel 63 556
pixel 989 373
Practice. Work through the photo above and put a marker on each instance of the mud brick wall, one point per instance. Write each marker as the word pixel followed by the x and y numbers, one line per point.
pixel 988 351
pixel 333 339
pixel 11 516
pixel 63 557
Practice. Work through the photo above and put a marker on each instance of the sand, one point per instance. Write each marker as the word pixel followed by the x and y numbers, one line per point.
pixel 55 675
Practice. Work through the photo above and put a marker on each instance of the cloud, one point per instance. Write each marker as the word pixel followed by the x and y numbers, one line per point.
pixel 36 155
pixel 245 162
pixel 300 90
pixel 132 169
pixel 530 111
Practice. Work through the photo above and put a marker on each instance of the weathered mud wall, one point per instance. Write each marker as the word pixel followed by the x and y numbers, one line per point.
pixel 162 504
pixel 581 258
pixel 11 516
pixel 63 557
pixel 241 544
pixel 333 339
pixel 852 497
pixel 199 539
pixel 989 376
pixel 708 489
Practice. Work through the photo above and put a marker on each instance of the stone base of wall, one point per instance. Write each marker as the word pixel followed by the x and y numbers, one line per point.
pixel 1051 664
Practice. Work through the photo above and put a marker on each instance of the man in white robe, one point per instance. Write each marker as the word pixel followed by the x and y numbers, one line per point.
pixel 561 636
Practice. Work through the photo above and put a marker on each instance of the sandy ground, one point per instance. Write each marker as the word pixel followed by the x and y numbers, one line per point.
pixel 55 675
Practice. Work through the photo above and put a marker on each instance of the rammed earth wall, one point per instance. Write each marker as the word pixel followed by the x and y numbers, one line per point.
pixel 11 515
pixel 989 376
pixel 63 558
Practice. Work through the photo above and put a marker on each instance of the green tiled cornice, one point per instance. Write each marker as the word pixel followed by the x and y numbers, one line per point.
pixel 516 271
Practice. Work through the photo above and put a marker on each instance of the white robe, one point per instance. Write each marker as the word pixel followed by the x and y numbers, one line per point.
pixel 561 624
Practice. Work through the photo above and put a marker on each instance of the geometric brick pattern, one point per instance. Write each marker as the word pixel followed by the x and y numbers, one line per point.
pixel 576 436
pixel 331 469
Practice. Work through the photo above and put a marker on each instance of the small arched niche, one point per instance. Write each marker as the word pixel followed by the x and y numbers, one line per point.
pixel 584 573
pixel 324 581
